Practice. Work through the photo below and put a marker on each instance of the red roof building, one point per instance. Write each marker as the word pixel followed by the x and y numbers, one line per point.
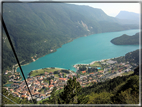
pixel 83 72
pixel 50 86
pixel 11 90
pixel 101 71
pixel 23 96
pixel 63 79
pixel 91 73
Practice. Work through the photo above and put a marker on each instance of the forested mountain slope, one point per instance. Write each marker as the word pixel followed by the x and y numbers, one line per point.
pixel 126 40
pixel 131 57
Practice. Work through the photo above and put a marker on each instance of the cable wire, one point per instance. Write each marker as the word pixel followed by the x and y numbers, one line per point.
pixel 4 26
pixel 10 99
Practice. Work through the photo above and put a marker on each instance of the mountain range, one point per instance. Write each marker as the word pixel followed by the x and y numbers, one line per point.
pixel 128 17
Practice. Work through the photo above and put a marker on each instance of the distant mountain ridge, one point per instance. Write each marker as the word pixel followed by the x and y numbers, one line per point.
pixel 128 17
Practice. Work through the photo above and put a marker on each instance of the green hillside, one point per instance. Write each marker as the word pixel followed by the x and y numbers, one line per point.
pixel 126 40
pixel 131 57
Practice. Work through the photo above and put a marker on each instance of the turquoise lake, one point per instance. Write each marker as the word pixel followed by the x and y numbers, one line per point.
pixel 7 85
pixel 83 50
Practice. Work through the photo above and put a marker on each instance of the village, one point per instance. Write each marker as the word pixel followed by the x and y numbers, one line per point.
pixel 41 82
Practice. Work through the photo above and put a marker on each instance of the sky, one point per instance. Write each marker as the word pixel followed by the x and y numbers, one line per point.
pixel 111 9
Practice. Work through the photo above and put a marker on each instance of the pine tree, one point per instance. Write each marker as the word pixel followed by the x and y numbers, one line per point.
pixel 70 93
pixel 54 98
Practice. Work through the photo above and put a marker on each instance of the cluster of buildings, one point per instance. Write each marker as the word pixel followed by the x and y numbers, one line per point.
pixel 6 72
pixel 106 69
pixel 13 77
pixel 42 86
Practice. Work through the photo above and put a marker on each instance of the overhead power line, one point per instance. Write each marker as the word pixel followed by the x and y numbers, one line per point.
pixel 4 26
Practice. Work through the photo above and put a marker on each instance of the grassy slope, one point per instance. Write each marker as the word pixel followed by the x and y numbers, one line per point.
pixel 42 71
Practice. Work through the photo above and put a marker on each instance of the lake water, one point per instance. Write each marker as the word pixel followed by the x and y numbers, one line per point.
pixel 83 50
pixel 7 85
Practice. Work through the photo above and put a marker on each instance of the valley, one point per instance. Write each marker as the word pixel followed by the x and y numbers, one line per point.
pixel 67 55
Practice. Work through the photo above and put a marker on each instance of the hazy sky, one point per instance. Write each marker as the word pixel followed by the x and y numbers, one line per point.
pixel 111 9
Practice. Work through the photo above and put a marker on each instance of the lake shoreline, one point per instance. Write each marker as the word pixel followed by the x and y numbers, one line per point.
pixel 75 66
pixel 58 59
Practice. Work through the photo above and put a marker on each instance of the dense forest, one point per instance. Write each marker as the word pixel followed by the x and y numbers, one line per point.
pixel 131 57
pixel 126 40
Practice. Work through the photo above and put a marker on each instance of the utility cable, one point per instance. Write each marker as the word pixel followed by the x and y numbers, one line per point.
pixel 10 99
pixel 4 26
